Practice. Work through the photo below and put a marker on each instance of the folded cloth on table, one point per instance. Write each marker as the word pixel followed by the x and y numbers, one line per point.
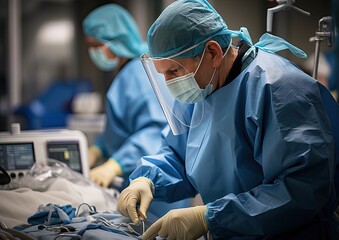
pixel 52 214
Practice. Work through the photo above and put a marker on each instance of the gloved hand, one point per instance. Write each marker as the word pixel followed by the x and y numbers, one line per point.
pixel 182 223
pixel 139 191
pixel 94 154
pixel 104 174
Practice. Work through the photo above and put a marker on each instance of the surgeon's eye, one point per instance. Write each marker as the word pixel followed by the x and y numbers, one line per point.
pixel 179 71
pixel 172 72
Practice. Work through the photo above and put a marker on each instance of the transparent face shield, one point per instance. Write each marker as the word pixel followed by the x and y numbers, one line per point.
pixel 179 115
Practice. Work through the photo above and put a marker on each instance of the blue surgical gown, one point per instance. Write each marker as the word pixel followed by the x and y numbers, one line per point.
pixel 133 125
pixel 134 118
pixel 261 159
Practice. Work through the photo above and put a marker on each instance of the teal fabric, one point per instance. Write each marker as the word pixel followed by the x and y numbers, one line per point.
pixel 192 23
pixel 52 214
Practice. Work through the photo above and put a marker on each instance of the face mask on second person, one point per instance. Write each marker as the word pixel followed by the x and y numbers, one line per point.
pixel 100 60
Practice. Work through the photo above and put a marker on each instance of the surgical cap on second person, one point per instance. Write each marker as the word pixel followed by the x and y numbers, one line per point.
pixel 182 25
pixel 112 23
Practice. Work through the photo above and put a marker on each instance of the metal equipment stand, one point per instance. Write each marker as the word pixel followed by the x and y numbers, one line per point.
pixel 282 5
pixel 325 32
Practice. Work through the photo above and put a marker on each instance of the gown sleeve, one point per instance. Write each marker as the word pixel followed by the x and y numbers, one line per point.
pixel 167 169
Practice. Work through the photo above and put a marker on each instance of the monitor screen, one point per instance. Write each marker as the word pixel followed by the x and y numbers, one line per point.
pixel 67 152
pixel 15 156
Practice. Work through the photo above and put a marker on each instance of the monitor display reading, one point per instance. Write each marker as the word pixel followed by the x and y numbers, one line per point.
pixel 17 156
pixel 66 152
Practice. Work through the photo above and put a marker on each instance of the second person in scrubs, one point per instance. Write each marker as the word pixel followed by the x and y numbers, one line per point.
pixel 134 116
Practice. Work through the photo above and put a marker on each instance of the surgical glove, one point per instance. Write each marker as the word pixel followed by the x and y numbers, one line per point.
pixel 94 154
pixel 184 223
pixel 104 174
pixel 140 191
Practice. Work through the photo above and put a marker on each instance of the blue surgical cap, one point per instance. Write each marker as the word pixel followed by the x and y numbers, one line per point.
pixel 183 24
pixel 112 23
pixel 183 27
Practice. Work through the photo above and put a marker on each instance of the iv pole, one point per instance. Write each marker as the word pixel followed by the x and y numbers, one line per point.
pixel 325 31
pixel 282 5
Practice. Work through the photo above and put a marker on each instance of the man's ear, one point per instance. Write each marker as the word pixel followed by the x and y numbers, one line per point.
pixel 215 52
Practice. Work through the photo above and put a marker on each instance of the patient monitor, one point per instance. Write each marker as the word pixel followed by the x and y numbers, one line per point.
pixel 19 150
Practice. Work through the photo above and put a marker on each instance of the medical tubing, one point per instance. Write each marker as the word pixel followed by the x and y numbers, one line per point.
pixel 107 223
pixel 91 208
pixel 68 235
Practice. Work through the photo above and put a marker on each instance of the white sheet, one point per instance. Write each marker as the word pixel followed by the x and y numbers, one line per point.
pixel 17 205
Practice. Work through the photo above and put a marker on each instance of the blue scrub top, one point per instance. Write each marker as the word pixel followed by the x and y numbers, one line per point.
pixel 133 125
pixel 262 158
pixel 134 118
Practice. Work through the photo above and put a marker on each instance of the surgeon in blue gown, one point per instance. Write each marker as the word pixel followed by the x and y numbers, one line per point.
pixel 134 116
pixel 258 146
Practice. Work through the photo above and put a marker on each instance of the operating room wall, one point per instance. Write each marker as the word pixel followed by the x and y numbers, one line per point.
pixel 3 54
pixel 288 24
pixel 48 46
pixel 45 62
pixel 72 60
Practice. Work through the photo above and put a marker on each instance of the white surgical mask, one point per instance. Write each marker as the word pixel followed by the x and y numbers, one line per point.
pixel 101 61
pixel 186 89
